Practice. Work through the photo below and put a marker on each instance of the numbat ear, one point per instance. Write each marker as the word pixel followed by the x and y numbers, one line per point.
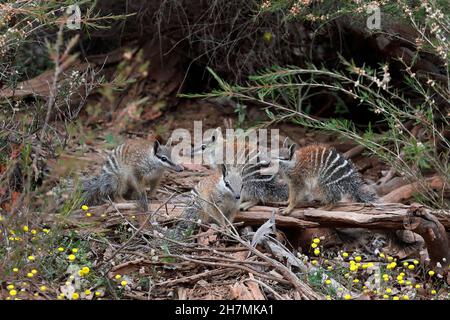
pixel 287 142
pixel 156 146
pixel 224 170
pixel 292 150
pixel 216 133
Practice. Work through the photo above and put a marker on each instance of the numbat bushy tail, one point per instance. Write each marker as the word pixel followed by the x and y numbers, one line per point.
pixel 128 170
pixel 319 172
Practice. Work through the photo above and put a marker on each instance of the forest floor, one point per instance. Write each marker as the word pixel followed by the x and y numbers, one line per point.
pixel 109 251
pixel 116 241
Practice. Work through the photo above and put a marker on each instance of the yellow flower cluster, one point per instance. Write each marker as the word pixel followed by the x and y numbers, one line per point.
pixel 83 271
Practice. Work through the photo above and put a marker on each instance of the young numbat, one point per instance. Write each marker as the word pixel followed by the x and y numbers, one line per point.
pixel 216 200
pixel 260 188
pixel 218 197
pixel 318 172
pixel 128 169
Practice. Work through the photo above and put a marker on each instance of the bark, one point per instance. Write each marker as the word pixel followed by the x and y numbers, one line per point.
pixel 431 225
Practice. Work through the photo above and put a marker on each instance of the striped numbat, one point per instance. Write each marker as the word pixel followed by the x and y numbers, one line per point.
pixel 318 172
pixel 128 170
pixel 259 189
pixel 217 198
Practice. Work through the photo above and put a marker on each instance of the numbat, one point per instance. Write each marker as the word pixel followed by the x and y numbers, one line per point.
pixel 259 189
pixel 318 172
pixel 129 168
pixel 216 198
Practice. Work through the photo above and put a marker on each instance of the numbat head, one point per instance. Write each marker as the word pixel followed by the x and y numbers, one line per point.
pixel 233 149
pixel 258 187
pixel 163 155
pixel 218 196
pixel 209 146
pixel 129 168
pixel 318 172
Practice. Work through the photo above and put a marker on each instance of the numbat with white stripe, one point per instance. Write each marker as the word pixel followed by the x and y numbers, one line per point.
pixel 128 170
pixel 319 172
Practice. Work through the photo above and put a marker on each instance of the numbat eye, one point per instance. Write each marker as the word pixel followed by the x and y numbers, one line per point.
pixel 227 184
pixel 164 159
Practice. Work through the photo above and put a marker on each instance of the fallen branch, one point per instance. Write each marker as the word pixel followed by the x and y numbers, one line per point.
pixel 342 215
pixel 432 226
pixel 407 191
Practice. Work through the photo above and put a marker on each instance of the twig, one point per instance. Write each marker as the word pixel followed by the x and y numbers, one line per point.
pixel 276 294
pixel 138 230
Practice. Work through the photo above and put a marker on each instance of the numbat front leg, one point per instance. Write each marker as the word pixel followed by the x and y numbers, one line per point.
pixel 292 201
pixel 244 206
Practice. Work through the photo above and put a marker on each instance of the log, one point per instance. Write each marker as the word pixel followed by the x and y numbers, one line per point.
pixel 343 215
pixel 432 225
pixel 407 191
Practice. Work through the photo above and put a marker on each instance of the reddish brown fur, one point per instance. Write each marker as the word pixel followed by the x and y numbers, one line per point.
pixel 206 190
pixel 303 170
pixel 305 166
pixel 134 150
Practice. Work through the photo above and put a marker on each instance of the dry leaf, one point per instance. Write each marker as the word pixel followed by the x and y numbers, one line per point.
pixel 240 291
